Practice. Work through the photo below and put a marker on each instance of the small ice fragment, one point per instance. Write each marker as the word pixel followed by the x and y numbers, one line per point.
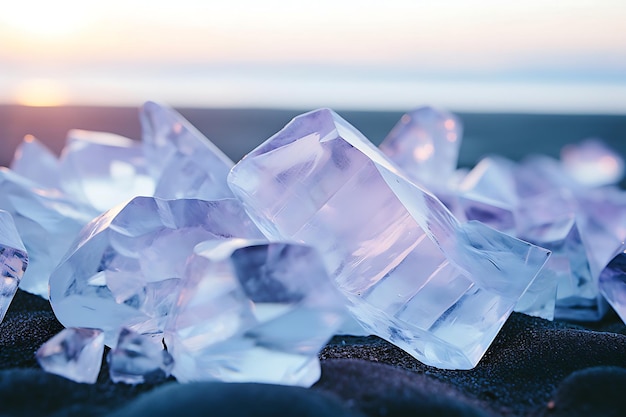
pixel 137 359
pixel 13 261
pixel 74 353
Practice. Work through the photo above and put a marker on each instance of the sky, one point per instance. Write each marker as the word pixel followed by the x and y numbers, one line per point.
pixel 534 56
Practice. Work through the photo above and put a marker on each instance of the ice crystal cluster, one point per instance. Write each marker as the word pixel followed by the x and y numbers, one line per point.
pixel 186 264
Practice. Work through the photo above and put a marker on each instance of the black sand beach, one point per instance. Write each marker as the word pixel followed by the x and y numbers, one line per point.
pixel 533 368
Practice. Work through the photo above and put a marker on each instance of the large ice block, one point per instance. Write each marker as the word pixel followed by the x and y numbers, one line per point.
pixel 125 267
pixel 47 222
pixel 103 169
pixel 13 261
pixel 183 161
pixel 253 312
pixel 410 272
pixel 73 353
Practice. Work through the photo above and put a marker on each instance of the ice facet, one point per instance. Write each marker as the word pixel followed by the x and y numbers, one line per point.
pixel 253 312
pixel 592 163
pixel 425 145
pixel 137 359
pixel 411 273
pixel 73 353
pixel 47 222
pixel 183 161
pixel 125 267
pixel 103 169
pixel 33 160
pixel 488 194
pixel 13 261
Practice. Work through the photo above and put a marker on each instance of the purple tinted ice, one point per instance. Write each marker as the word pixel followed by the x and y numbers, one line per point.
pixel 410 272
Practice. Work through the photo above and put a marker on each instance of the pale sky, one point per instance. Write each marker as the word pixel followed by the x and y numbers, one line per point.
pixel 542 55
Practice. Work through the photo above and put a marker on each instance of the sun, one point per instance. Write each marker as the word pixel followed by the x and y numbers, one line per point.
pixel 40 92
pixel 42 18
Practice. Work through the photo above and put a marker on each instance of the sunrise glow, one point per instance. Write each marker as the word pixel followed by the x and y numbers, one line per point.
pixel 457 53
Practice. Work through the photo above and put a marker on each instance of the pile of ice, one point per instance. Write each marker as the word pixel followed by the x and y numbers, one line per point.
pixel 184 263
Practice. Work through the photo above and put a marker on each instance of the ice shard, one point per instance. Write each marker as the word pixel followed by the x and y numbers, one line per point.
pixel 137 359
pixel 612 282
pixel 255 312
pixel 47 222
pixel 103 169
pixel 183 161
pixel 410 272
pixel 425 145
pixel 125 267
pixel 34 161
pixel 73 353
pixel 13 261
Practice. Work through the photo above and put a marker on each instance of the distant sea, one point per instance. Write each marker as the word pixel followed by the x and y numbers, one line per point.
pixel 237 131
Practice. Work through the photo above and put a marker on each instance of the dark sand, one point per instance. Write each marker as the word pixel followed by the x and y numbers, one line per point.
pixel 533 368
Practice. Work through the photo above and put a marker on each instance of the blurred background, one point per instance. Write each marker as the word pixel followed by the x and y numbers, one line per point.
pixel 474 57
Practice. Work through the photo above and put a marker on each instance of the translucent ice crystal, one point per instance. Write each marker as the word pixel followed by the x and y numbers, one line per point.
pixel 613 282
pixel 411 273
pixel 47 222
pixel 592 163
pixel 184 162
pixel 425 145
pixel 538 200
pixel 74 353
pixel 13 261
pixel 33 160
pixel 137 359
pixel 253 312
pixel 103 169
pixel 125 267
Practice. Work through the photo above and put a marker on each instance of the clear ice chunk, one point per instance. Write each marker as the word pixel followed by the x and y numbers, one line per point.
pixel 184 162
pixel 73 353
pixel 411 273
pixel 103 169
pixel 125 267
pixel 254 312
pixel 538 201
pixel 13 261
pixel 592 163
pixel 425 145
pixel 612 282
pixel 33 160
pixel 137 359
pixel 47 222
